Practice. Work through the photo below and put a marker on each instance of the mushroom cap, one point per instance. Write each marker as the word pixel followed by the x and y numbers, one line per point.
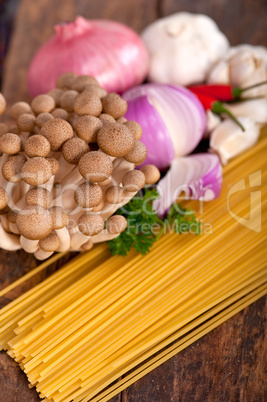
pixel 106 118
pixel 34 222
pixel 19 108
pixel 114 194
pixel 59 113
pixel 26 122
pixel 152 173
pixel 83 81
pixel 99 207
pixel 66 80
pixel 67 100
pixel 95 166
pixel 36 171
pixel 87 127
pixel 88 245
pixel 3 198
pixel 55 165
pixel 114 105
pixel 116 224
pixel 133 181
pixel 105 182
pixel 3 128
pixel 121 120
pixel 37 145
pixel 88 195
pixel 87 103
pixel 115 139
pixel 135 128
pixel 56 94
pixel 60 218
pixel 90 224
pixel 11 169
pixel 42 118
pixel 138 154
pixel 73 150
pixel 10 143
pixel 95 90
pixel 12 216
pixel 38 196
pixel 57 131
pixel 2 104
pixel 43 103
pixel 50 243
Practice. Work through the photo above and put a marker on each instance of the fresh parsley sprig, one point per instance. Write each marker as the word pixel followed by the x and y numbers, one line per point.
pixel 145 227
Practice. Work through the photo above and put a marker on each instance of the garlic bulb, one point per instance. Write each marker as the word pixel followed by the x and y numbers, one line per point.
pixel 242 66
pixel 183 47
pixel 228 140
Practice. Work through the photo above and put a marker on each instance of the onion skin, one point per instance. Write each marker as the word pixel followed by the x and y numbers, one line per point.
pixel 199 176
pixel 172 119
pixel 107 50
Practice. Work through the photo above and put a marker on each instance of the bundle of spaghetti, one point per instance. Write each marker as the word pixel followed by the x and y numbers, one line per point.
pixel 101 316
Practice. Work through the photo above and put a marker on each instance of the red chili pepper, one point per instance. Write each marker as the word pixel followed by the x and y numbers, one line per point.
pixel 225 93
pixel 210 103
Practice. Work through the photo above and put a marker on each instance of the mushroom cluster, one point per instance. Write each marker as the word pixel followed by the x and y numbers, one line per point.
pixel 67 164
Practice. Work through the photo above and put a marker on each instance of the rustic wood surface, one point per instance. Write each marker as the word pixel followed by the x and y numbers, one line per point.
pixel 225 365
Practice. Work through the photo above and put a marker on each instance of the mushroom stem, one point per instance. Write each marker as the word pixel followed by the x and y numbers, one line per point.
pixel 30 246
pixel 64 238
pixel 77 239
pixel 9 241
pixel 5 223
pixel 13 228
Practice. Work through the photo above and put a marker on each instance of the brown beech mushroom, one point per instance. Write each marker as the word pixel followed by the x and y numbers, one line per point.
pixel 99 207
pixel 60 114
pixel 56 94
pixel 121 120
pixel 82 82
pixel 116 224
pixel 38 196
pixel 50 243
pixel 73 150
pixel 42 118
pixel 135 128
pixel 114 194
pixel 26 122
pixel 3 198
pixel 66 80
pixel 87 127
pixel 36 171
pixel 12 216
pixel 55 165
pixel 95 166
pixel 90 224
pixel 19 108
pixel 10 144
pixel 2 104
pixel 37 145
pixel 133 181
pixel 88 245
pixel 57 131
pixel 95 90
pixel 115 139
pixel 60 218
pixel 106 118
pixel 34 222
pixel 114 105
pixel 43 103
pixel 67 99
pixel 11 169
pixel 88 195
pixel 87 103
pixel 152 173
pixel 138 154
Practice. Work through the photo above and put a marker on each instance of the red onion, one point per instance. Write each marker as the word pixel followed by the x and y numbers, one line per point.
pixel 172 118
pixel 109 51
pixel 199 176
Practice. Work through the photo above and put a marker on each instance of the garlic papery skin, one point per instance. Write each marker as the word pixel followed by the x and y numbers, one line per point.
pixel 255 109
pixel 242 66
pixel 183 47
pixel 228 140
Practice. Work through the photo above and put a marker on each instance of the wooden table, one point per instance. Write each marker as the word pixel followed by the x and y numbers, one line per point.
pixel 225 365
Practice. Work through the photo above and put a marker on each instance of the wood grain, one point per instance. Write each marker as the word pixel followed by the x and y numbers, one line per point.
pixel 225 365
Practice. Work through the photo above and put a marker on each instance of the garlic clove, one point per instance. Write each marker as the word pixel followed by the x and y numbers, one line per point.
pixel 255 109
pixel 213 120
pixel 228 140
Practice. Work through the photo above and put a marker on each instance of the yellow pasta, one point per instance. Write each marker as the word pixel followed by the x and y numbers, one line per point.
pixel 101 317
